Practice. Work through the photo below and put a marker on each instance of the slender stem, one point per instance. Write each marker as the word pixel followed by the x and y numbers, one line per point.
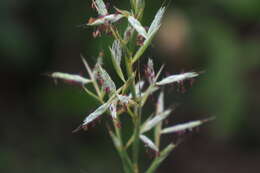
pixel 122 152
pixel 132 87
pixel 94 81
pixel 127 164
pixel 157 135
pixel 133 4
pixel 136 117
pixel 137 109
pixel 129 70
pixel 158 160
pixel 120 39
pixel 137 124
pixel 92 94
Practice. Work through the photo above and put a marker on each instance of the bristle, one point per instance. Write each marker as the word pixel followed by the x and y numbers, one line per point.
pixel 77 129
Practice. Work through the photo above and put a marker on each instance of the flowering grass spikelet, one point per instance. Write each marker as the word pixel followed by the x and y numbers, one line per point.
pixel 160 103
pixel 137 26
pixel 107 83
pixel 112 109
pixel 101 7
pixel 132 93
pixel 70 77
pixel 156 120
pixel 116 53
pixel 111 18
pixel 128 32
pixel 177 78
pixel 184 126
pixel 149 143
pixel 149 71
pixel 138 89
pixel 98 112
pixel 125 100
pixel 157 21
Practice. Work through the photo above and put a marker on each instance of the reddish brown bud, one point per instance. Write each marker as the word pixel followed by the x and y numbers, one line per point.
pixel 107 89
pixel 140 40
pixel 96 34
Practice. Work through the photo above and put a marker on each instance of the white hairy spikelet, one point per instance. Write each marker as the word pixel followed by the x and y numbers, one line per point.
pixel 177 78
pixel 137 26
pixel 70 77
pixel 149 143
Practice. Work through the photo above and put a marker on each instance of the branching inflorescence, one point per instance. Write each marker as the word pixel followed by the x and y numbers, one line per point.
pixel 131 96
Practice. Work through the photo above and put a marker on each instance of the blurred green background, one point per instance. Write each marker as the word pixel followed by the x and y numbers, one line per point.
pixel 219 37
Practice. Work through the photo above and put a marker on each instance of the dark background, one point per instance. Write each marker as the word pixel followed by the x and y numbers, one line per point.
pixel 219 37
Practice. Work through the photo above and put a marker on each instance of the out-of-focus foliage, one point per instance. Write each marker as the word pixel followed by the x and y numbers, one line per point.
pixel 220 37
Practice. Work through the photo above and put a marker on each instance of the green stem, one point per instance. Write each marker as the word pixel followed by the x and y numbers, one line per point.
pixel 120 39
pixel 136 119
pixel 127 165
pixel 158 160
pixel 92 78
pixel 137 123
pixel 92 94
pixel 130 74
pixel 157 134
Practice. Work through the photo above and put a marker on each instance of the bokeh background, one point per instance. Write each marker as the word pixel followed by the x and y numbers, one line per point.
pixel 219 37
